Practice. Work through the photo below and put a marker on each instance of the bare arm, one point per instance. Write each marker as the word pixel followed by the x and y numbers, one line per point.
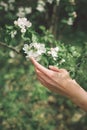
pixel 59 81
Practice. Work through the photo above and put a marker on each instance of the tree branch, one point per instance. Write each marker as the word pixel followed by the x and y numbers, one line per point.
pixel 9 47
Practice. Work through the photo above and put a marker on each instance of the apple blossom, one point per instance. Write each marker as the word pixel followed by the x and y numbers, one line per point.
pixel 23 24
pixel 53 52
pixel 34 50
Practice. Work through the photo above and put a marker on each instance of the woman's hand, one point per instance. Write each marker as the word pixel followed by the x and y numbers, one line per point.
pixel 59 81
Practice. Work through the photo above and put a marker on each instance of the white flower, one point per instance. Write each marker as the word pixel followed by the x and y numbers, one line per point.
pixel 28 10
pixel 34 50
pixel 54 52
pixel 21 14
pixel 23 24
pixel 50 1
pixel 12 54
pixel 70 21
pixel 11 7
pixel 5 5
pixel 13 33
pixel 11 1
pixel 40 6
pixel 23 30
pixel 26 48
pixel 62 61
pixel 23 11
pixel 74 14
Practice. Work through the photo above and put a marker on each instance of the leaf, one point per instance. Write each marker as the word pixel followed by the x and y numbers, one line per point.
pixel 34 38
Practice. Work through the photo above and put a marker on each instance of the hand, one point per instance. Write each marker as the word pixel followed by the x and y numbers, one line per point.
pixel 57 80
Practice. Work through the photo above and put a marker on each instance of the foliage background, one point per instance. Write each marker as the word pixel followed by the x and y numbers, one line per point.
pixel 24 102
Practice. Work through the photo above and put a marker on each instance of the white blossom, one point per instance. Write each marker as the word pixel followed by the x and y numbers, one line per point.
pixel 23 30
pixel 12 54
pixel 23 11
pixel 50 1
pixel 54 52
pixel 11 7
pixel 13 33
pixel 23 24
pixel 5 5
pixel 70 21
pixel 40 6
pixel 20 14
pixel 34 50
pixel 62 61
pixel 28 10
pixel 74 14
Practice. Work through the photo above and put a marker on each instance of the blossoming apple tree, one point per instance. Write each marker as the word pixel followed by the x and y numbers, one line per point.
pixel 38 28
pixel 21 35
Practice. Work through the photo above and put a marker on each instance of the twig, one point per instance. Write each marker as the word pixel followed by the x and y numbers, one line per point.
pixel 9 47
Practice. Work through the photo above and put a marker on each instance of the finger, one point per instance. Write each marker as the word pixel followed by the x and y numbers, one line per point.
pixel 49 86
pixel 40 67
pixel 44 83
pixel 47 82
pixel 43 76
pixel 63 70
pixel 54 68
pixel 65 73
pixel 48 78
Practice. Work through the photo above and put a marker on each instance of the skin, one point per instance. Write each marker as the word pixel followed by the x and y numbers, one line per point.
pixel 59 81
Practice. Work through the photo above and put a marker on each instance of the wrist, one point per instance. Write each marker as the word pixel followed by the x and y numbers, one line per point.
pixel 79 97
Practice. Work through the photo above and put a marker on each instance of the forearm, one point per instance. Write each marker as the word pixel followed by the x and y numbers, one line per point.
pixel 79 95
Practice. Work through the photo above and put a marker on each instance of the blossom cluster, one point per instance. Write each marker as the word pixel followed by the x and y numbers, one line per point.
pixel 23 11
pixel 34 50
pixel 71 18
pixel 53 52
pixel 7 6
pixel 41 4
pixel 13 33
pixel 41 7
pixel 23 24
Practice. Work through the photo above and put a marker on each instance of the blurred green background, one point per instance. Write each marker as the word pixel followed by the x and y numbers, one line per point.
pixel 24 103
